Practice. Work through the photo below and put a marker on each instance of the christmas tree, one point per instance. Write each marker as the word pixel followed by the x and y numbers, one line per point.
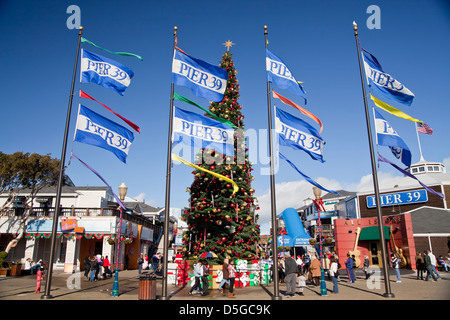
pixel 218 220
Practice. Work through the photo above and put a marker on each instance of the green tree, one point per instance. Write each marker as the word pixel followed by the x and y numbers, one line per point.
pixel 218 220
pixel 25 174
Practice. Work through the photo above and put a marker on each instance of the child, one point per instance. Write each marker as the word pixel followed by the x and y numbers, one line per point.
pixel 301 282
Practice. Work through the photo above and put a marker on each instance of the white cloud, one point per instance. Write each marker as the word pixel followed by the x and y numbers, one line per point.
pixel 446 163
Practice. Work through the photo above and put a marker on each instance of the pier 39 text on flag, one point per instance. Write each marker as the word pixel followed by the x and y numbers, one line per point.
pixel 298 134
pixel 204 79
pixel 384 83
pixel 281 76
pixel 199 131
pixel 105 72
pixel 388 137
pixel 99 131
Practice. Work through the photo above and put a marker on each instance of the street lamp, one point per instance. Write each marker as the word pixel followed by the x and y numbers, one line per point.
pixel 319 206
pixel 122 194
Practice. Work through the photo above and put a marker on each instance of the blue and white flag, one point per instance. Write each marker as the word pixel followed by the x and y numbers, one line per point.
pixel 298 134
pixel 388 137
pixel 204 79
pixel 281 76
pixel 105 72
pixel 383 82
pixel 199 131
pixel 99 131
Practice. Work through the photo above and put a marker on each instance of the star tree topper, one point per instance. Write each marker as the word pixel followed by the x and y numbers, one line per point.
pixel 228 44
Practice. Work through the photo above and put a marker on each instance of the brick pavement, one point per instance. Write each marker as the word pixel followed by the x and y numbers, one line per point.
pixel 23 287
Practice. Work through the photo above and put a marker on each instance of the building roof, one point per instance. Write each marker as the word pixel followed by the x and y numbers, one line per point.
pixel 343 193
pixel 430 220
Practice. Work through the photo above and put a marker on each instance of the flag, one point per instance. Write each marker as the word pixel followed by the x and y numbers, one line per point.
pixel 302 110
pixel 105 72
pixel 424 128
pixel 203 79
pixel 394 111
pixel 222 120
pixel 306 177
pixel 131 124
pixel 298 134
pixel 96 130
pixel 73 156
pixel 408 174
pixel 388 137
pixel 235 186
pixel 281 76
pixel 199 131
pixel 118 53
pixel 383 82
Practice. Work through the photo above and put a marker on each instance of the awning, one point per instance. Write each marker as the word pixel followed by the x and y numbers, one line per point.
pixel 372 233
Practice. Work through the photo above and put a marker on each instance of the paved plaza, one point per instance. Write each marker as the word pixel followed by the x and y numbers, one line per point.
pixel 74 287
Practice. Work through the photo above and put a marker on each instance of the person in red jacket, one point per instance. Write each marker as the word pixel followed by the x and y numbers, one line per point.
pixel 106 269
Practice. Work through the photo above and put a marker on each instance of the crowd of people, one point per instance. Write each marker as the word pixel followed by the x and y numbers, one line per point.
pixel 427 262
pixel 93 265
pixel 154 265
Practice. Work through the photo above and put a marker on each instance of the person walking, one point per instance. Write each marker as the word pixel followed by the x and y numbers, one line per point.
pixel 39 278
pixel 349 267
pixel 198 273
pixel 106 267
pixel 204 278
pixel 396 265
pixel 315 269
pixel 366 266
pixel 334 273
pixel 290 269
pixel 87 267
pixel 434 263
pixel 225 275
pixel 431 271
pixel 420 265
pixel 93 265
pixel 232 277
pixel 140 262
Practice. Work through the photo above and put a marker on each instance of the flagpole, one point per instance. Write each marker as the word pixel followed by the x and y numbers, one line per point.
pixel 418 140
pixel 388 293
pixel 56 213
pixel 276 289
pixel 164 295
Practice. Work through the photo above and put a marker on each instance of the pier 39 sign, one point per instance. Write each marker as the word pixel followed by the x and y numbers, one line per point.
pixel 399 198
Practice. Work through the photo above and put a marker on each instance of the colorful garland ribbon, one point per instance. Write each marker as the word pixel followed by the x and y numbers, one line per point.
pixel 179 159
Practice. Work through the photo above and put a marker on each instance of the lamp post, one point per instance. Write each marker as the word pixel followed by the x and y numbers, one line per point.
pixel 319 206
pixel 122 193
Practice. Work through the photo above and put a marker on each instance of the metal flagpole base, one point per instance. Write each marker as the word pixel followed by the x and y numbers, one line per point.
pixel 115 290
pixel 388 295
pixel 164 298
pixel 277 298
pixel 46 297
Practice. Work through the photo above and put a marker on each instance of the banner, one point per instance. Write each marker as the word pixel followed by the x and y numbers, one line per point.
pixel 96 130
pixel 406 173
pixel 74 156
pixel 222 120
pixel 302 110
pixel 387 136
pixel 306 177
pixel 131 124
pixel 199 131
pixel 281 76
pixel 203 79
pixel 179 159
pixel 384 83
pixel 382 105
pixel 105 72
pixel 297 134
pixel 118 53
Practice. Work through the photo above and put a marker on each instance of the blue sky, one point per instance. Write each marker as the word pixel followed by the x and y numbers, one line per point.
pixel 314 38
